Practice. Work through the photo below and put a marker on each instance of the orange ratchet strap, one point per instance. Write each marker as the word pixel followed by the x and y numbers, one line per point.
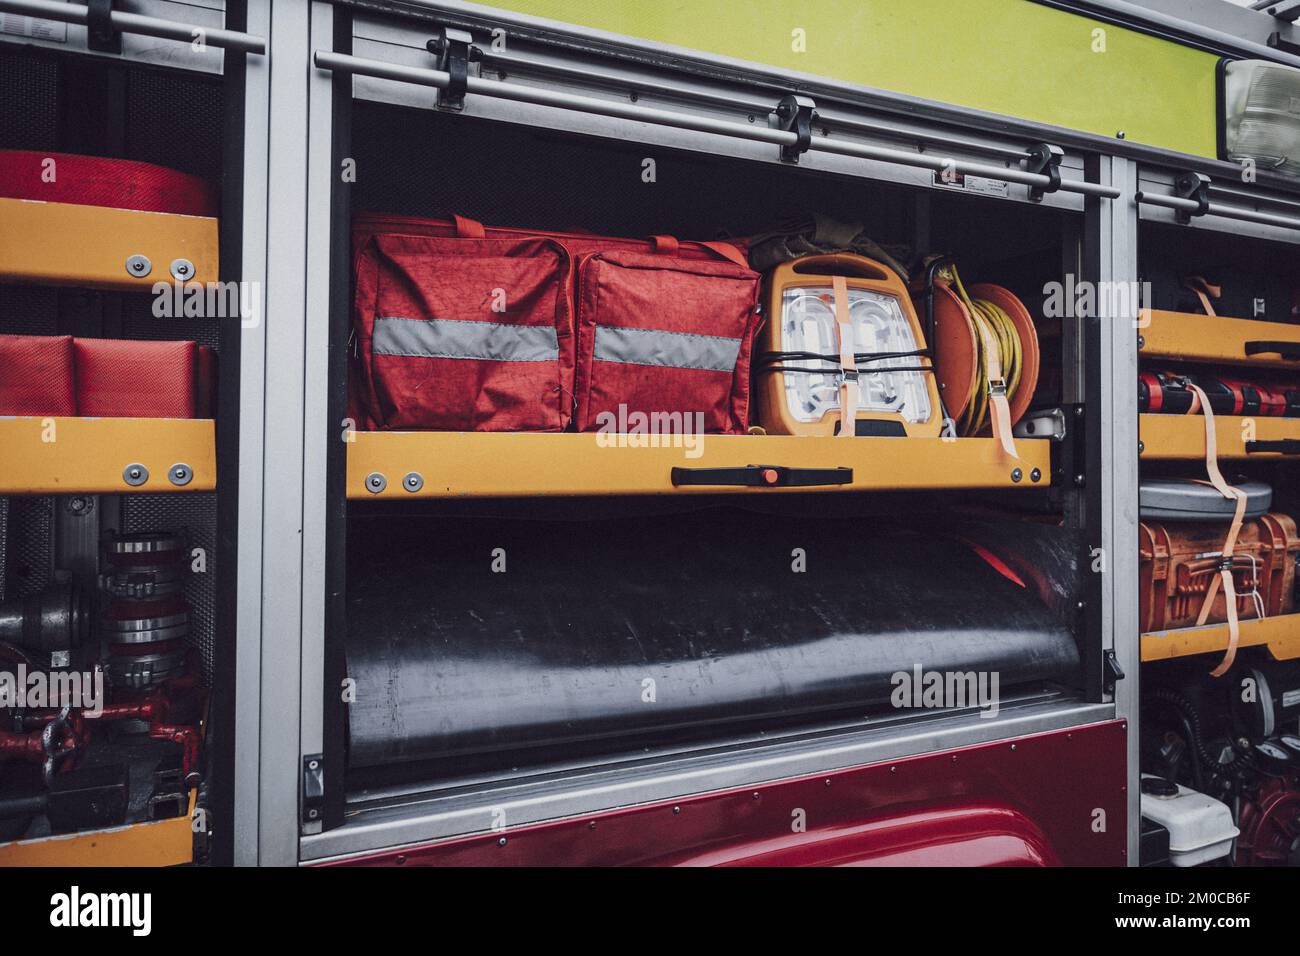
pixel 1230 544
pixel 848 364
pixel 999 408
pixel 1204 291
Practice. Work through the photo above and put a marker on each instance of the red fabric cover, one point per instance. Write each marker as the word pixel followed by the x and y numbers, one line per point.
pixel 36 375
pixel 133 379
pixel 664 293
pixel 455 279
pixel 405 263
pixel 95 181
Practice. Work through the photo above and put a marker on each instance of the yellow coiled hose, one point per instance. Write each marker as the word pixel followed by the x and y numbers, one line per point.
pixel 998 324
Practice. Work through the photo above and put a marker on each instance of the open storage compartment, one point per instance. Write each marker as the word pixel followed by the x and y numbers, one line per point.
pixel 1241 356
pixel 119 413
pixel 1219 604
pixel 538 603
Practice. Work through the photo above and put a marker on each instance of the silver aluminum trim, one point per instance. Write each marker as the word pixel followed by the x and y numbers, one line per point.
pixel 418 818
pixel 135 23
pixel 587 43
pixel 705 353
pixel 437 79
pixel 1215 209
pixel 457 339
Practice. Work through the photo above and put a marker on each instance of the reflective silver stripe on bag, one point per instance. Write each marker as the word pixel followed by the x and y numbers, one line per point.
pixel 707 353
pixel 454 339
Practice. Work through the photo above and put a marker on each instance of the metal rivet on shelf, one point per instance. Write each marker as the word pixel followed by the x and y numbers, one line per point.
pixel 1036 475
pixel 180 474
pixel 182 269
pixel 413 481
pixel 375 482
pixel 135 474
pixel 138 266
pixel 1017 474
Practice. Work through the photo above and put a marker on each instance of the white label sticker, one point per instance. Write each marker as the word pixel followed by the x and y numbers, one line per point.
pixel 975 184
pixel 21 25
pixel 987 187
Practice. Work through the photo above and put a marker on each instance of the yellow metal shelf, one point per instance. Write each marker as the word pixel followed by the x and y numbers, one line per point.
pixel 153 843
pixel 48 243
pixel 62 456
pixel 496 464
pixel 1187 337
pixel 1281 635
pixel 1182 437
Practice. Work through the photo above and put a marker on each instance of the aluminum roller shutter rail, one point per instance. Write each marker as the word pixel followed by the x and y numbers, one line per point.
pixel 344 63
pixel 1189 206
pixel 123 22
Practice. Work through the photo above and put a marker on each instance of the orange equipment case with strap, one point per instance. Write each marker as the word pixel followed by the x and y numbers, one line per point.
pixel 1179 560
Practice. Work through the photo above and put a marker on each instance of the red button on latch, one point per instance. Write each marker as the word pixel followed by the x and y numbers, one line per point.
pixel 771 476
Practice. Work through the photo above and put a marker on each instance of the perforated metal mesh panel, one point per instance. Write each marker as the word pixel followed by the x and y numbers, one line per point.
pixel 29 551
pixel 29 310
pixel 175 120
pixel 139 322
pixel 196 515
pixel 29 94
pixel 422 163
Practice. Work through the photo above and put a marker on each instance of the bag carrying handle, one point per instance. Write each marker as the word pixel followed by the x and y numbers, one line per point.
pixel 468 228
pixel 670 246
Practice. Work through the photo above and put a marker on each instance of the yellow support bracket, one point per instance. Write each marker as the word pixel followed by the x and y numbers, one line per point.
pixel 1281 635
pixel 61 456
pixel 49 243
pixel 497 464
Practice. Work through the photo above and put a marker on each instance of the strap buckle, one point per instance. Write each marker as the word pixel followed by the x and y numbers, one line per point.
pixel 849 376
pixel 998 387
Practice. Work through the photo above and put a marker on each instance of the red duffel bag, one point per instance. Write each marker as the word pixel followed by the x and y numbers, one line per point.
pixel 463 328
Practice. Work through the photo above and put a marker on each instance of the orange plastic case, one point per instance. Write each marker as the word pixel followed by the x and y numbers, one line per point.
pixel 818 271
pixel 1178 561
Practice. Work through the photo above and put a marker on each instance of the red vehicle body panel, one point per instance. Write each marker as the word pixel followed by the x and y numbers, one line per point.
pixel 1039 800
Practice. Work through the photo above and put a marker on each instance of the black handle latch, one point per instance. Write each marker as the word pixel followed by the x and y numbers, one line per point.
pixel 1112 673
pixel 455 50
pixel 763 476
pixel 101 35
pixel 796 114
pixel 1045 160
pixel 1283 446
pixel 313 788
pixel 1289 351
pixel 1196 187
